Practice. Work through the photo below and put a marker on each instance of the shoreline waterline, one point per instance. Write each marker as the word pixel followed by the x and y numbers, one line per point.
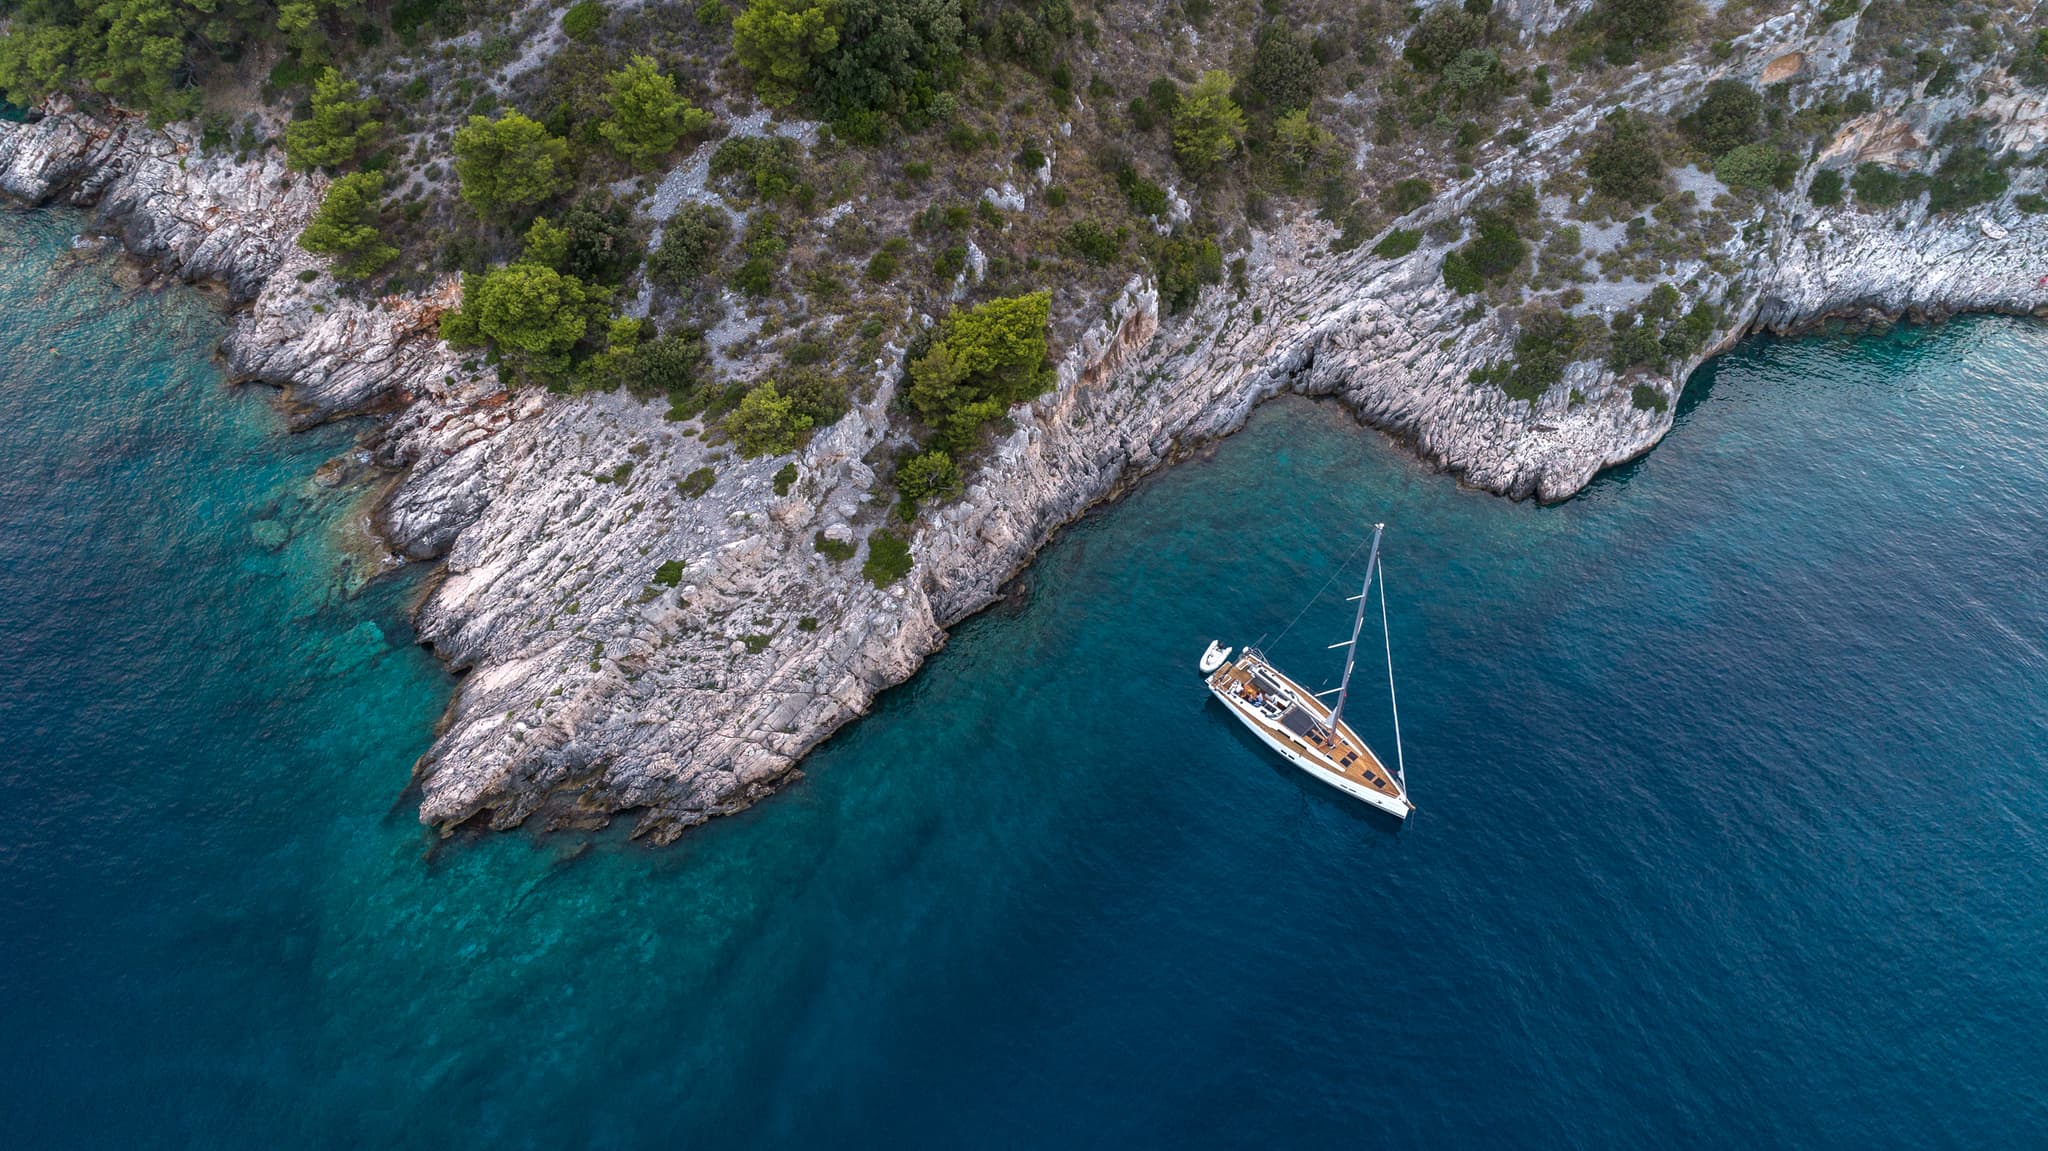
pixel 1716 762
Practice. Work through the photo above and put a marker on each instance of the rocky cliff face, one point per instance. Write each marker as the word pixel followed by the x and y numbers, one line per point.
pixel 635 640
pixel 197 216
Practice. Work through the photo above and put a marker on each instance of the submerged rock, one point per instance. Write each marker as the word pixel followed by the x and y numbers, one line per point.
pixel 269 534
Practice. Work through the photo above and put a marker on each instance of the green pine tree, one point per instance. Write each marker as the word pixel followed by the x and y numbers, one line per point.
pixel 346 227
pixel 340 126
pixel 648 117
pixel 509 164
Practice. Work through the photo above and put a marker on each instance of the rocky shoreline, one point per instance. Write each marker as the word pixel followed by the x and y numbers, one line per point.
pixel 595 687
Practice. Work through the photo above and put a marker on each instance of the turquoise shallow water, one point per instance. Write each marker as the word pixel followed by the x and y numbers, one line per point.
pixel 1731 772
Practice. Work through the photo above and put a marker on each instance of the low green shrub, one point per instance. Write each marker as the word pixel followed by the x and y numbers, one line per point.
pixel 1878 187
pixel 1944 78
pixel 1730 115
pixel 771 168
pixel 1968 176
pixel 692 242
pixel 596 239
pixel 1626 29
pixel 1146 198
pixel 1460 276
pixel 1164 96
pixel 1355 226
pixel 1750 168
pixel 1624 163
pixel 926 476
pixel 670 365
pixel 1444 32
pixel 440 17
pixel 838 551
pixel 696 483
pixel 583 19
pixel 1495 250
pixel 888 559
pixel 1096 243
pixel 1548 341
pixel 1397 243
pixel 1404 196
pixel 766 422
pixel 1826 189
pixel 882 266
pixel 670 573
pixel 963 138
pixel 1653 336
pixel 1284 71
pixel 784 478
pixel 1184 264
pixel 763 246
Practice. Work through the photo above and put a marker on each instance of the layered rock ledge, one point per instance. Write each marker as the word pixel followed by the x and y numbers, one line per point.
pixel 596 686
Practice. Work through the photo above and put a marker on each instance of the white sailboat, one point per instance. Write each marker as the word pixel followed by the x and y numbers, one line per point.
pixel 1295 722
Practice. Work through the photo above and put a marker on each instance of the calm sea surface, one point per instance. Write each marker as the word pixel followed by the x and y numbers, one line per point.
pixel 1733 828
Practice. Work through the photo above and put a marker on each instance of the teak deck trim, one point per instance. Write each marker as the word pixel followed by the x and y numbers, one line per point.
pixel 1233 677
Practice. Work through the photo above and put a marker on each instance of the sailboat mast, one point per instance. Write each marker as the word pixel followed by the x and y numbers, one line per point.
pixel 1357 623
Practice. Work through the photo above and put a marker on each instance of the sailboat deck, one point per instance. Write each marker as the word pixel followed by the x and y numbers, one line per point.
pixel 1341 753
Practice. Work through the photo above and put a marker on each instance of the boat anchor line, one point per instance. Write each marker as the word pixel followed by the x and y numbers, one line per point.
pixel 1294 721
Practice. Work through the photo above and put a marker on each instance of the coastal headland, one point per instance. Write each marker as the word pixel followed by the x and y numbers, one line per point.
pixel 651 622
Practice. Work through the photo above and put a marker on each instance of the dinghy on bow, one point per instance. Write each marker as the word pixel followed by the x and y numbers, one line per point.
pixel 1295 722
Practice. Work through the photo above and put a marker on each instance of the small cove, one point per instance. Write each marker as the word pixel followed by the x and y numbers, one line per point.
pixel 1732 779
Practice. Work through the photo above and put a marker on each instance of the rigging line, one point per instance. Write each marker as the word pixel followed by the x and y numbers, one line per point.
pixel 1400 760
pixel 1319 593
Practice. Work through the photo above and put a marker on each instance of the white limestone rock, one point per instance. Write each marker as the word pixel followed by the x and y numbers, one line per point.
pixel 599 682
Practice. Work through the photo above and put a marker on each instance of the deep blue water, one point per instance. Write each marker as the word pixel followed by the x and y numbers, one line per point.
pixel 1731 772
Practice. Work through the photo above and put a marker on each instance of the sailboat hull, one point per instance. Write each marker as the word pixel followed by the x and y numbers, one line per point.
pixel 1397 808
pixel 1363 778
